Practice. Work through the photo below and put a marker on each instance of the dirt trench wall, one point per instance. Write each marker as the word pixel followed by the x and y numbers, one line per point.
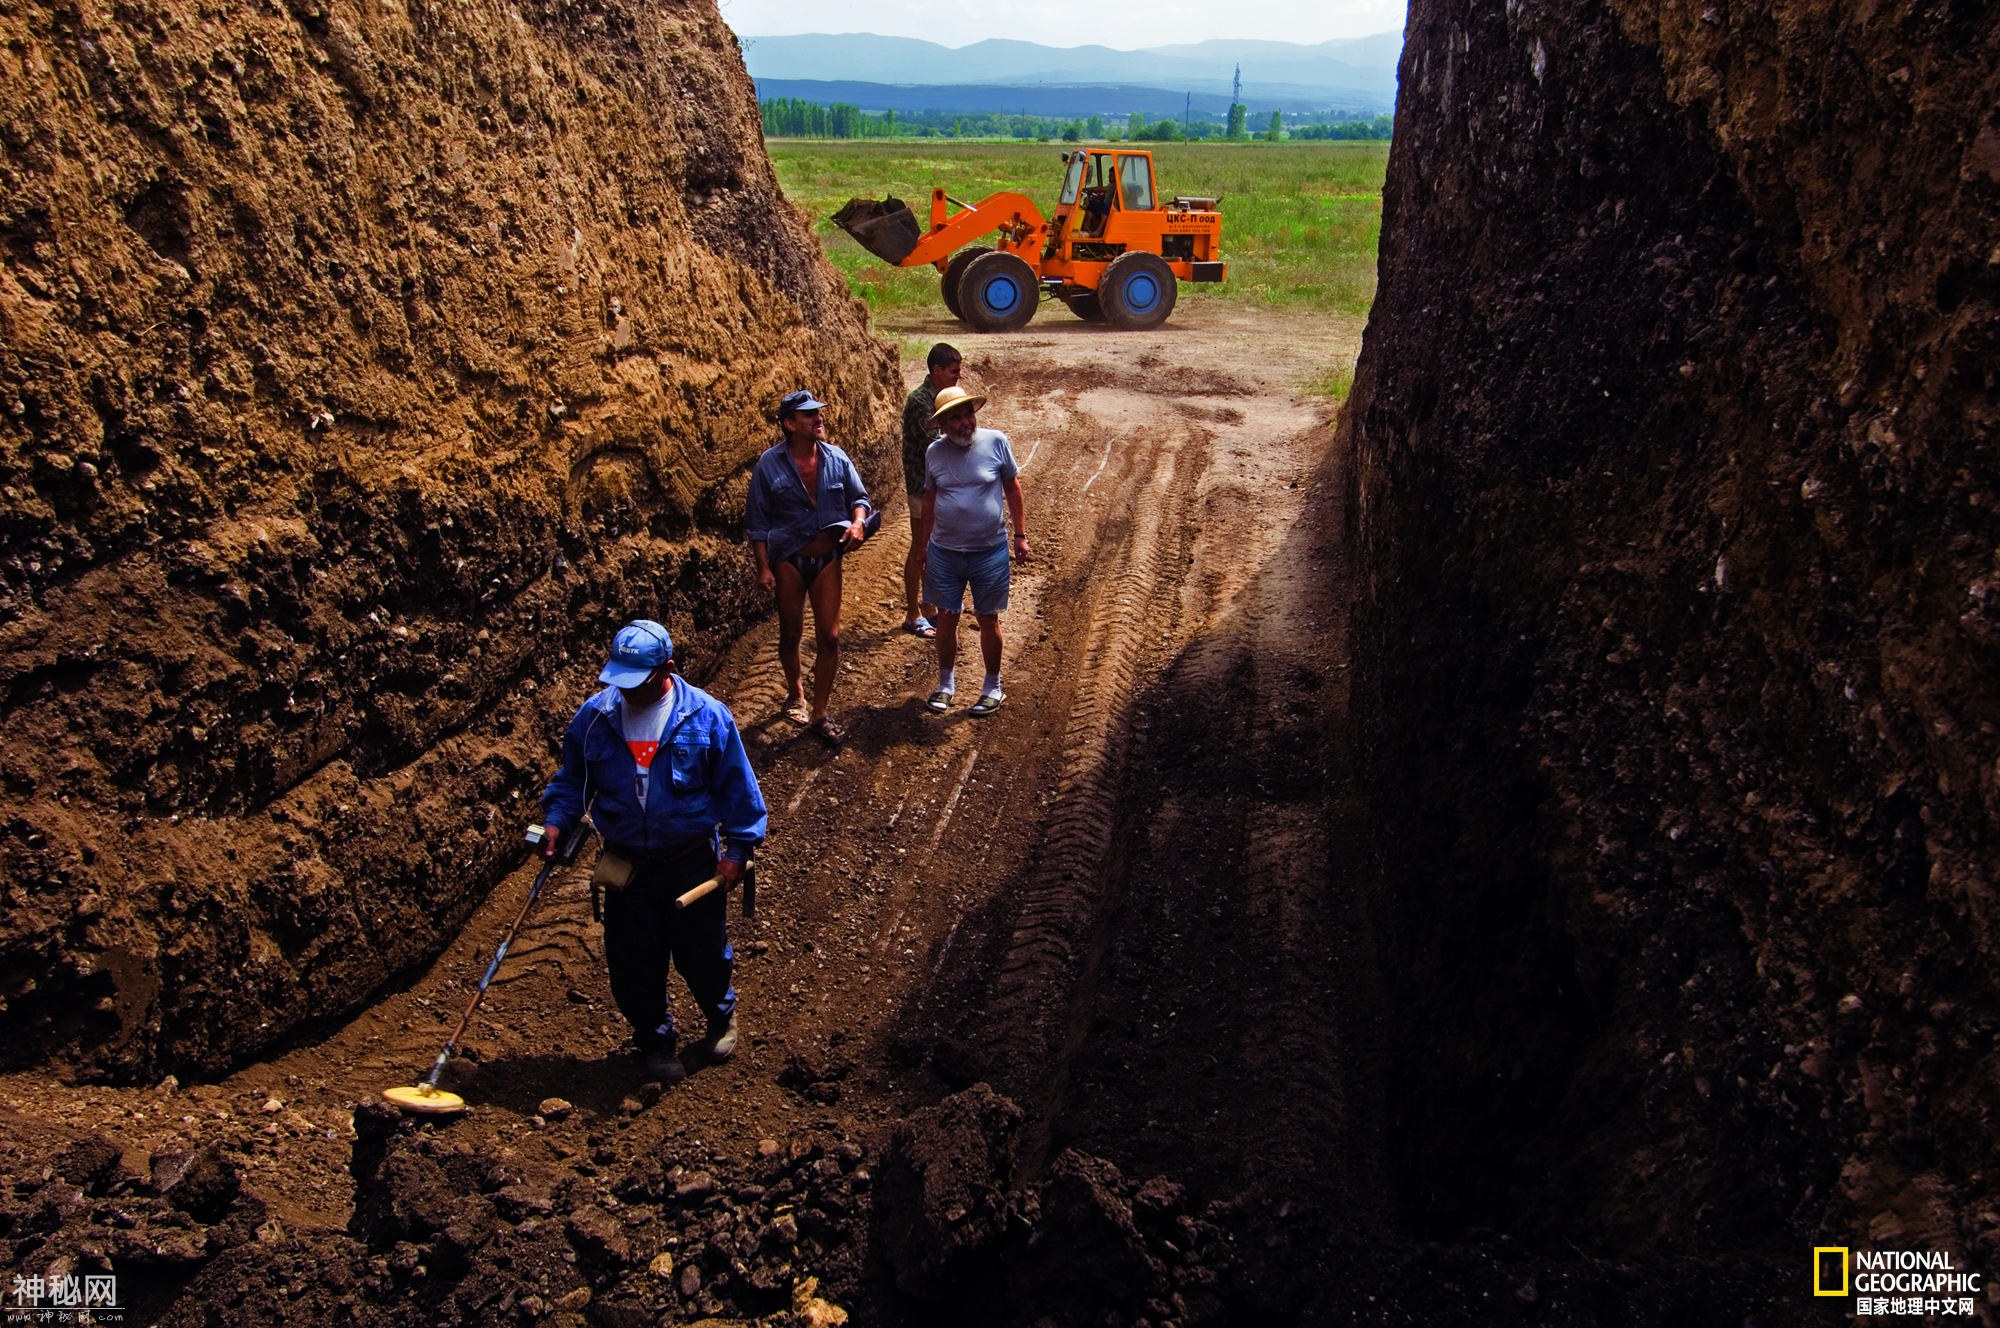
pixel 361 367
pixel 1676 457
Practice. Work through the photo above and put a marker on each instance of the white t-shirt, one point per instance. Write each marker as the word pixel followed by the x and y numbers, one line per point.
pixel 970 514
pixel 644 726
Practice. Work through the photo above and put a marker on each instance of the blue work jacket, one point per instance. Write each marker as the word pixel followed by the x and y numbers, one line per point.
pixel 784 516
pixel 700 778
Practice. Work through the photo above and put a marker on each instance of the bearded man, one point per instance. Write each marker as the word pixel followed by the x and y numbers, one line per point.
pixel 969 476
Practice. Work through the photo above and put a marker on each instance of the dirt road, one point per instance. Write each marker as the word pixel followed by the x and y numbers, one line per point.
pixel 1132 900
pixel 1107 900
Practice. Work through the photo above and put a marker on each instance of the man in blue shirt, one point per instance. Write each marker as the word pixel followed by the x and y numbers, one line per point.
pixel 807 507
pixel 971 491
pixel 660 767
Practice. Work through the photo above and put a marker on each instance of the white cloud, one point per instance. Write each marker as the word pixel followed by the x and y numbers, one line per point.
pixel 1124 24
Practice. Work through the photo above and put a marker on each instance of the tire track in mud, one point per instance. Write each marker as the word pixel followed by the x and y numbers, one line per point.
pixel 1126 606
pixel 1234 996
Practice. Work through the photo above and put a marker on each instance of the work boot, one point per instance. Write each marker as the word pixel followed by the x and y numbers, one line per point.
pixel 722 1038
pixel 664 1066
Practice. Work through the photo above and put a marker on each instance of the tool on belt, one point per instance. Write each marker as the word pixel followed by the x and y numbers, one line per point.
pixel 614 872
pixel 714 883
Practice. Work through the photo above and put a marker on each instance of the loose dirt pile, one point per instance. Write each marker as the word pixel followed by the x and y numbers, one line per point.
pixel 1675 437
pixel 357 365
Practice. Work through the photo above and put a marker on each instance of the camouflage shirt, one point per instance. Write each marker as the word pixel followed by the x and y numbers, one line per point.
pixel 918 431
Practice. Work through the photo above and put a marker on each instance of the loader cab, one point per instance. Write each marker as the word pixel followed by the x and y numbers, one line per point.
pixel 1100 184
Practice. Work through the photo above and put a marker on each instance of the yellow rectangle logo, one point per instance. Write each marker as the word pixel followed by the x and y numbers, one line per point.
pixel 1823 1259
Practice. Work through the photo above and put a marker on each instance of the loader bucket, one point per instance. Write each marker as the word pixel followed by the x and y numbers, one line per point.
pixel 887 229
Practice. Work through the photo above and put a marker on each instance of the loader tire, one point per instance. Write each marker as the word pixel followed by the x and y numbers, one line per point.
pixel 998 293
pixel 954 272
pixel 1138 291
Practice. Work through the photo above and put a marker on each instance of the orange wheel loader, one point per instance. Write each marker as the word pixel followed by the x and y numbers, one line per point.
pixel 1112 252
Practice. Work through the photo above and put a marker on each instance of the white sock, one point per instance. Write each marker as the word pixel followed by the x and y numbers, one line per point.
pixel 947 680
pixel 992 687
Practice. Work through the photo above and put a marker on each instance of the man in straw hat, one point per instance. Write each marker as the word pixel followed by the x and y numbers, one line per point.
pixel 969 472
pixel 660 767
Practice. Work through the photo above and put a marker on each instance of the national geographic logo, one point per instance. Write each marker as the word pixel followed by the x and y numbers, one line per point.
pixel 1921 1283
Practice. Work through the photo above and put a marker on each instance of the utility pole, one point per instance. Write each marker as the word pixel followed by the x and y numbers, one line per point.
pixel 1187 117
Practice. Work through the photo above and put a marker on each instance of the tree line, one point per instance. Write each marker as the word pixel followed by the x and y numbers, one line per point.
pixel 796 117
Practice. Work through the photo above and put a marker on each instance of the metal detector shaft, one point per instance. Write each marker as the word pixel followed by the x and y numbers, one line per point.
pixel 566 851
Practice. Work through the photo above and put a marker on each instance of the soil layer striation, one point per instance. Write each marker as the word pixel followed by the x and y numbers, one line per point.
pixel 359 365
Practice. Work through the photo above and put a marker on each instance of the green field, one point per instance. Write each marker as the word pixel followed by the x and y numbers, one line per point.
pixel 1299 230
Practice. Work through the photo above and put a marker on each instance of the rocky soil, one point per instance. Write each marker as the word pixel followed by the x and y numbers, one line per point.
pixel 1675 451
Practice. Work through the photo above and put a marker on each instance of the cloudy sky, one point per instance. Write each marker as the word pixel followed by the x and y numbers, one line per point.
pixel 1123 24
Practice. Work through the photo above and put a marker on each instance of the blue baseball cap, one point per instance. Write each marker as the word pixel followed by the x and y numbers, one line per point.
pixel 794 402
pixel 641 647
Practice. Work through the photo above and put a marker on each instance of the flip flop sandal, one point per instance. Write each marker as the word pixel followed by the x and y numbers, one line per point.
pixel 830 730
pixel 987 704
pixel 920 627
pixel 939 702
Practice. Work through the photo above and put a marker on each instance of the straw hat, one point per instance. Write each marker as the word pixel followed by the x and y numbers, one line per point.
pixel 951 399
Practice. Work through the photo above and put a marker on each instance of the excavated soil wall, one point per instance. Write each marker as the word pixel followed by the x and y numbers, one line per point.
pixel 1675 439
pixel 361 367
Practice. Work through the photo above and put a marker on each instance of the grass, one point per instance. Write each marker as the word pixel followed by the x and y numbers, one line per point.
pixel 1300 220
pixel 1334 382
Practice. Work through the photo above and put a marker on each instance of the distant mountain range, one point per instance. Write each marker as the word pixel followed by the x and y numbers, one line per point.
pixel 1352 74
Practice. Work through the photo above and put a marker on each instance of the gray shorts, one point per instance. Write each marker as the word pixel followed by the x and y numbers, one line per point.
pixel 948 573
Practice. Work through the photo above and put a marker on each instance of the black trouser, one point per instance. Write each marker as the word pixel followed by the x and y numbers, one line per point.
pixel 643 931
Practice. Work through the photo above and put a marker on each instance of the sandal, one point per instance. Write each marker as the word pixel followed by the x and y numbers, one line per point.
pixel 988 703
pixel 939 702
pixel 829 730
pixel 798 711
pixel 920 627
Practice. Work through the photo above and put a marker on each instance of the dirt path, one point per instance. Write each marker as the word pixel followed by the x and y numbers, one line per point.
pixel 1111 900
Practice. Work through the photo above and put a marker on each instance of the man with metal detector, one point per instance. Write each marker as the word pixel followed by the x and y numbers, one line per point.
pixel 660 767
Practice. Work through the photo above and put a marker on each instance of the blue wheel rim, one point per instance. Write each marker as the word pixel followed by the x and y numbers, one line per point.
pixel 1001 296
pixel 1142 292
